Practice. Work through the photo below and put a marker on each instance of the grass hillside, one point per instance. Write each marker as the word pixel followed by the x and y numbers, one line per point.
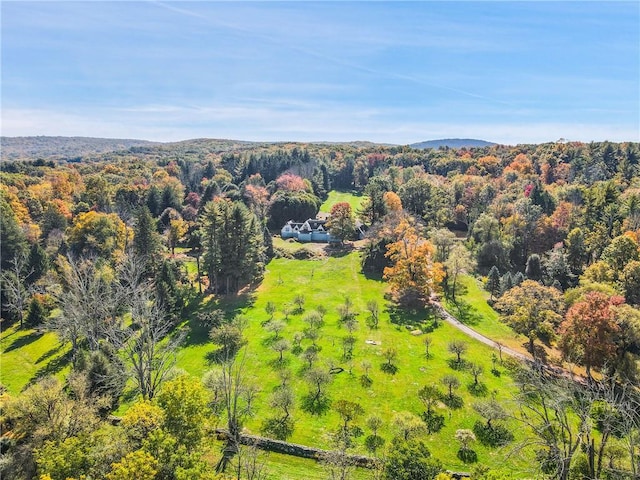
pixel 328 282
pixel 27 355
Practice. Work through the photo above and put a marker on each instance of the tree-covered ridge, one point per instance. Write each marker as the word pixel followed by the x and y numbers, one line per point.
pixel 126 255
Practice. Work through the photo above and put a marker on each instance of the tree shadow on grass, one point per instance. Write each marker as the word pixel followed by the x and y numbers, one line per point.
pixel 415 317
pixel 466 313
pixel 51 368
pixel 459 366
pixel 468 455
pixel 231 305
pixel 478 389
pixel 277 364
pixel 541 353
pixel 389 368
pixel 315 407
pixel 372 275
pixel 279 428
pixel 50 353
pixel 24 340
pixel 454 401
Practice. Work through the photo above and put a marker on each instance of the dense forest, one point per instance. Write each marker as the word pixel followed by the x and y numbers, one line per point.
pixel 93 248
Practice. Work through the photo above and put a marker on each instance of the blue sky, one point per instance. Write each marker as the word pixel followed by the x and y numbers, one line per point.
pixel 394 72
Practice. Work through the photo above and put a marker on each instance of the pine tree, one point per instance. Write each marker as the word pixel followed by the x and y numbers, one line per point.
pixel 234 245
pixel 37 263
pixel 506 282
pixel 493 281
pixel 534 267
pixel 37 313
pixel 146 241
pixel 168 293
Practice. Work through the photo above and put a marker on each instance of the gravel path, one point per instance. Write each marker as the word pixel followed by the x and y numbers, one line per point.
pixel 447 317
pixel 450 319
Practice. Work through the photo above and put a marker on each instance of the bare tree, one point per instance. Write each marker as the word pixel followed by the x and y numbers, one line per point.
pixel 144 344
pixel 374 314
pixel 427 343
pixel 457 347
pixel 86 301
pixel 565 417
pixel 14 285
pixel 250 464
pixel 237 395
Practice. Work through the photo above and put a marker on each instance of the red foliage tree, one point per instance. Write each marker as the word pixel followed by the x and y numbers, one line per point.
pixel 589 330
pixel 290 182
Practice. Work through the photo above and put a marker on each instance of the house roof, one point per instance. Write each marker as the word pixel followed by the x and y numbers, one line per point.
pixel 311 225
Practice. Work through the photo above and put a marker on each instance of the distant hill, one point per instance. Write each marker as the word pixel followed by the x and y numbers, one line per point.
pixel 452 143
pixel 72 148
pixel 17 148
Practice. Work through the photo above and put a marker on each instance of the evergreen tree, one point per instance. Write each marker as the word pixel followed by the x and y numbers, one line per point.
pixel 37 313
pixel 534 267
pixel 154 201
pixel 12 239
pixel 493 281
pixel 168 292
pixel 577 254
pixel 374 208
pixel 233 244
pixel 37 263
pixel 518 278
pixel 146 241
pixel 170 199
pixel 506 282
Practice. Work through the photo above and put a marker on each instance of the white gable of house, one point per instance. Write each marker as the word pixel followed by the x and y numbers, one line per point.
pixel 320 229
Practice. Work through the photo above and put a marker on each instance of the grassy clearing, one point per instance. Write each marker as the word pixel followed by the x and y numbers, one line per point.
pixel 27 355
pixel 328 282
pixel 354 199
pixel 473 310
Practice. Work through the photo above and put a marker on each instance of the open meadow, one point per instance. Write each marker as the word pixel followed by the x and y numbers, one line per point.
pixel 327 282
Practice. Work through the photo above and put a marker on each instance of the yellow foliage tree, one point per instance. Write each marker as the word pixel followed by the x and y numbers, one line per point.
pixel 177 230
pixel 414 275
pixel 95 233
pixel 138 465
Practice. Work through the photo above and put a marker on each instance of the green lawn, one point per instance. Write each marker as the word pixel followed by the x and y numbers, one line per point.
pixel 26 355
pixel 352 198
pixel 328 282
pixel 474 311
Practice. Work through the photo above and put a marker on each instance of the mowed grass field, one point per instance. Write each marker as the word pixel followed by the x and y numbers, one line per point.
pixel 27 355
pixel 353 199
pixel 474 311
pixel 327 282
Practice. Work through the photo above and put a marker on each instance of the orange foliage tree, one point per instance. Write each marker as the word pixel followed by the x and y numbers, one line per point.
pixel 392 202
pixel 414 275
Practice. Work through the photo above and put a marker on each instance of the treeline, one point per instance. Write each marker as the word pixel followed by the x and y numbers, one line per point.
pixel 552 229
